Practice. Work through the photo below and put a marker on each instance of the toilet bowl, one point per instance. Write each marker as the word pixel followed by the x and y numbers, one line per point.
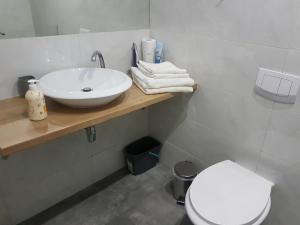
pixel 228 194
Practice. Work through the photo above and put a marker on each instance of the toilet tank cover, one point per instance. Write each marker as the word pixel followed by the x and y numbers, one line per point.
pixel 228 194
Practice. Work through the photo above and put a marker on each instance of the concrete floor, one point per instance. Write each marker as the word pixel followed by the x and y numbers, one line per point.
pixel 133 200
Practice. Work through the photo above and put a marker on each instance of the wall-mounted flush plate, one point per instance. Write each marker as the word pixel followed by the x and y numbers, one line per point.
pixel 277 86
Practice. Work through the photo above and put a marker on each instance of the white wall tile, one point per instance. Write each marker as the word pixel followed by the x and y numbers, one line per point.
pixel 223 43
pixel 220 64
pixel 38 56
pixel 286 190
pixel 122 128
pixel 294 33
pixel 38 178
pixel 4 215
pixel 244 119
pixel 292 64
pixel 283 138
pixel 172 154
pixel 47 174
pixel 34 56
pixel 249 21
pixel 107 162
pixel 115 47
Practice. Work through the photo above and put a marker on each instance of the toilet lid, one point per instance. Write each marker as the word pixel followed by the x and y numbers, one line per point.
pixel 228 194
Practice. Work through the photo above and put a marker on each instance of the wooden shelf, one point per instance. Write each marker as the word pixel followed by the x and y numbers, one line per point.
pixel 18 133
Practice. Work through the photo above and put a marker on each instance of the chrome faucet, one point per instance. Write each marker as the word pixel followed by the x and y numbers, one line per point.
pixel 100 56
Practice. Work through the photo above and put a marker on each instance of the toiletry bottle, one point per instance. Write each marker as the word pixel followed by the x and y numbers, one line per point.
pixel 159 51
pixel 36 102
pixel 135 55
pixel 148 50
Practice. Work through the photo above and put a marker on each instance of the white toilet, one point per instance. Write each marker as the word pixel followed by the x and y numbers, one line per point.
pixel 228 194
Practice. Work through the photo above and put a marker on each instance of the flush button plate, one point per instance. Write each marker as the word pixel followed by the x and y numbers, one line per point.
pixel 277 86
pixel 285 88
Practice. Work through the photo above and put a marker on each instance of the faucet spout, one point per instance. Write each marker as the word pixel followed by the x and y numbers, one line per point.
pixel 100 56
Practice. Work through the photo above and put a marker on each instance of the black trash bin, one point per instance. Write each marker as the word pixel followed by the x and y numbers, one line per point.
pixel 142 155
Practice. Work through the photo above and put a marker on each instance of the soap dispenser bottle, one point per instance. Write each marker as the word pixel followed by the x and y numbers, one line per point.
pixel 36 102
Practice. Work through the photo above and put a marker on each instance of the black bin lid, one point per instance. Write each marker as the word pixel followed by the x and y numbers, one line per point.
pixel 186 170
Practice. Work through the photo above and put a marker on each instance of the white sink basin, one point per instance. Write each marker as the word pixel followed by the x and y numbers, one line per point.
pixel 85 87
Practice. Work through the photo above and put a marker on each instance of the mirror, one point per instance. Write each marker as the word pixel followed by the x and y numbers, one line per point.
pixel 35 18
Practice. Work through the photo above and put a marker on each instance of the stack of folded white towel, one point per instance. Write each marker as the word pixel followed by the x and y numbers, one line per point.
pixel 160 78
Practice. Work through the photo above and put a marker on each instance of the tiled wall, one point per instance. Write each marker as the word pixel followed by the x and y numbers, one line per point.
pixel 34 180
pixel 37 56
pixel 223 43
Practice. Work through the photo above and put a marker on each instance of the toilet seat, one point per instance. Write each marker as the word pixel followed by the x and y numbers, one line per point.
pixel 228 194
pixel 197 220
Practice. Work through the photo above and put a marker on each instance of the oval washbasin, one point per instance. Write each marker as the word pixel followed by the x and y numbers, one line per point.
pixel 85 87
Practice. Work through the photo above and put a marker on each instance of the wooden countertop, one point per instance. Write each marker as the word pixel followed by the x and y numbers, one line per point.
pixel 18 133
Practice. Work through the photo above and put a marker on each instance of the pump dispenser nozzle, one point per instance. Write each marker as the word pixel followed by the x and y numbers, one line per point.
pixel 33 84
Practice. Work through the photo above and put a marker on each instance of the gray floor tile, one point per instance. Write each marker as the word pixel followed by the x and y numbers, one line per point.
pixel 133 200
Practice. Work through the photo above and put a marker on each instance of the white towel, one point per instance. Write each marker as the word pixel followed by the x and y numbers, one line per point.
pixel 161 68
pixel 161 83
pixel 149 91
pixel 162 76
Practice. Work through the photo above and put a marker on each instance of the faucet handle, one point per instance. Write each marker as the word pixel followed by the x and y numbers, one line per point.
pixel 100 56
pixel 94 55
